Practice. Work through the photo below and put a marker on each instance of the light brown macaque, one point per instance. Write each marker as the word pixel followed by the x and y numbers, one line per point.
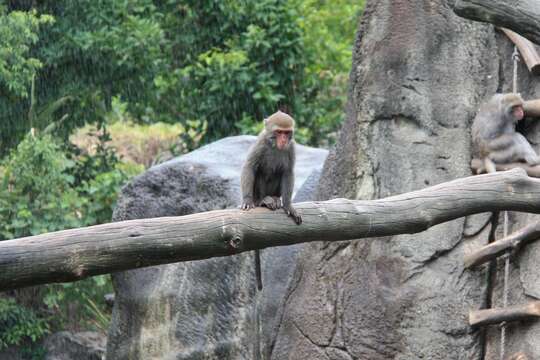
pixel 268 174
pixel 494 136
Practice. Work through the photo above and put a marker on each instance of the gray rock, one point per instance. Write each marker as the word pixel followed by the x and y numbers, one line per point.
pixel 205 309
pixel 65 345
pixel 419 74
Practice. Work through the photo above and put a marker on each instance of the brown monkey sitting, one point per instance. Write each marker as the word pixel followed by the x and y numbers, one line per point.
pixel 268 174
pixel 494 137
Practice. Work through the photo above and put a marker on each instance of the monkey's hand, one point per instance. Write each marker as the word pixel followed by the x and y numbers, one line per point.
pixel 290 211
pixel 271 202
pixel 247 204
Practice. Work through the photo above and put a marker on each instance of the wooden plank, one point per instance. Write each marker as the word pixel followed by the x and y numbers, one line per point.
pixel 498 315
pixel 512 242
pixel 477 166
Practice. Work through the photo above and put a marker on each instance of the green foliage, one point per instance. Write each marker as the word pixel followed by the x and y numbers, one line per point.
pixel 18 31
pixel 215 66
pixel 44 187
pixel 79 304
pixel 36 194
pixel 328 28
pixel 245 60
pixel 19 324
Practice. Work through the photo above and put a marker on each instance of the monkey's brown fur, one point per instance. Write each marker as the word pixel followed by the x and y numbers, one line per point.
pixel 268 174
pixel 494 137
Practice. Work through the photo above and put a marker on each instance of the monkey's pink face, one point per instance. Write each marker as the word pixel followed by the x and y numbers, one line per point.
pixel 282 138
pixel 517 112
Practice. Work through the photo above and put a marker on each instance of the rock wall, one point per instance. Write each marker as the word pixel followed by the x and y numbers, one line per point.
pixel 419 75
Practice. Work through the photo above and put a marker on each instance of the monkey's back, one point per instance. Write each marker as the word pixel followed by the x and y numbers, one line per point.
pixel 488 124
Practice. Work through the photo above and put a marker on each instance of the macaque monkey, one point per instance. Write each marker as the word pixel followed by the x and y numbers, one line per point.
pixel 268 174
pixel 494 136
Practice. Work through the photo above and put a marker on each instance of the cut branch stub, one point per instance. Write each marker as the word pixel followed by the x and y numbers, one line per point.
pixel 71 255
pixel 499 315
pixel 497 248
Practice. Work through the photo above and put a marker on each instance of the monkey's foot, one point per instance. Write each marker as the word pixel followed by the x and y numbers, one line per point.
pixel 271 202
pixel 292 213
pixel 247 204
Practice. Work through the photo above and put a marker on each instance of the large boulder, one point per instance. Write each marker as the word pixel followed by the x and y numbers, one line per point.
pixel 207 309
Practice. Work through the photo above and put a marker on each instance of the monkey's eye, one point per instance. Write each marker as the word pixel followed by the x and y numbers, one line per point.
pixel 282 132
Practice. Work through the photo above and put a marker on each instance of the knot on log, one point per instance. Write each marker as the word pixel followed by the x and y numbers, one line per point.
pixel 233 237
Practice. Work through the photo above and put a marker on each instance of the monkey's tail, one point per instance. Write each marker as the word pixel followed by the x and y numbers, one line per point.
pixel 258 274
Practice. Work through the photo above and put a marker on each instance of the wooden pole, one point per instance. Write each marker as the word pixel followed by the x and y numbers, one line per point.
pixel 498 315
pixel 532 108
pixel 526 49
pixel 477 166
pixel 497 248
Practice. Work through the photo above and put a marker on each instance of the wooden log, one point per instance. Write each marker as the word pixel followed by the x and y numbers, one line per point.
pixel 512 242
pixel 532 108
pixel 526 49
pixel 499 315
pixel 477 167
pixel 74 254
pixel 520 16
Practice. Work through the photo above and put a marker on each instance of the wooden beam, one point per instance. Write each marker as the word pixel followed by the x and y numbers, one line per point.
pixel 497 248
pixel 520 16
pixel 498 315
pixel 74 254
pixel 532 108
pixel 477 166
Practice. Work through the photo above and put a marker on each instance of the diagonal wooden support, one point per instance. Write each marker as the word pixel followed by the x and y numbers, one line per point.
pixel 526 49
pixel 499 315
pixel 497 248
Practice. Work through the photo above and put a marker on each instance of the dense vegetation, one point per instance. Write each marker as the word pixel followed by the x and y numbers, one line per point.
pixel 140 70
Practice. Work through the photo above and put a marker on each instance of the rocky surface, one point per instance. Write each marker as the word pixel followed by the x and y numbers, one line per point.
pixel 416 83
pixel 66 345
pixel 202 309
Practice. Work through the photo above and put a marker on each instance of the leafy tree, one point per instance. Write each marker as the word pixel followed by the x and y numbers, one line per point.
pixel 216 66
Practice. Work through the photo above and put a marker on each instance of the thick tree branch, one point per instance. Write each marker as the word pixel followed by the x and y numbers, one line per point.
pixel 520 16
pixel 74 254
pixel 497 248
pixel 511 313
